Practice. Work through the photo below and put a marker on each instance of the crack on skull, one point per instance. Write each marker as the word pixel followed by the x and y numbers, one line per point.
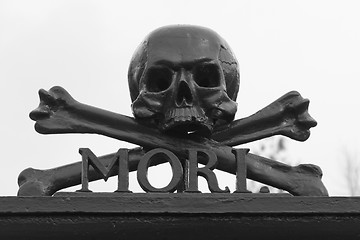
pixel 228 63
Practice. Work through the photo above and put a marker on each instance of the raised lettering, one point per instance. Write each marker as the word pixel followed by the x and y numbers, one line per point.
pixel 240 170
pixel 145 163
pixel 120 158
pixel 192 172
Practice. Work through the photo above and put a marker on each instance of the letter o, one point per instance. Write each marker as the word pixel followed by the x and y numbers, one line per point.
pixel 144 164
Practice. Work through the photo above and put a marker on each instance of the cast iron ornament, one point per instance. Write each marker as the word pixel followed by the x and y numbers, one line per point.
pixel 183 83
pixel 184 79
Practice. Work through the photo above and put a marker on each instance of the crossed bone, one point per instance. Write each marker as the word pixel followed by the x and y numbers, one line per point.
pixel 58 113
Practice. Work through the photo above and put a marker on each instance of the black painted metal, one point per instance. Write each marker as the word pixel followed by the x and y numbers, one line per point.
pixel 183 84
pixel 143 170
pixel 74 117
pixel 178 216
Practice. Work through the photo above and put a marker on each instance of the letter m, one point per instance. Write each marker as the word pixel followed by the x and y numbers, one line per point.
pixel 119 162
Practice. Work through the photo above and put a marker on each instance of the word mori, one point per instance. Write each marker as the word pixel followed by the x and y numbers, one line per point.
pixel 185 173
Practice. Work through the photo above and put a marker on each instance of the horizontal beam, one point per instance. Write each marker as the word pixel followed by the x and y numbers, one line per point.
pixel 178 216
pixel 178 203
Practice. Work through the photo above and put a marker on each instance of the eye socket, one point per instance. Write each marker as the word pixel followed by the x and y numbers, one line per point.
pixel 158 79
pixel 207 75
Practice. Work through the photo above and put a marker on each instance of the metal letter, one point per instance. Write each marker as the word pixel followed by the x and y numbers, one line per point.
pixel 192 171
pixel 240 170
pixel 144 164
pixel 89 158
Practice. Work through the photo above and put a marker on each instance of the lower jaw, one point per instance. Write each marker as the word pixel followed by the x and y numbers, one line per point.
pixel 187 127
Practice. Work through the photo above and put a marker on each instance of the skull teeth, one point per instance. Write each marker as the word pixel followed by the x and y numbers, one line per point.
pixel 185 115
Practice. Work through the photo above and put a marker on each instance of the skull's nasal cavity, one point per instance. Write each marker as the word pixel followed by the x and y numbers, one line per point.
pixel 184 96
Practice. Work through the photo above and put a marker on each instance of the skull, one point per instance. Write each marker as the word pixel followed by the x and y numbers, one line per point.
pixel 184 79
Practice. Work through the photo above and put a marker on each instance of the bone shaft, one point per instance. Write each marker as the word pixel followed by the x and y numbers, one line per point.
pixel 34 182
pixel 96 120
pixel 82 118
pixel 254 127
pixel 239 132
pixel 271 120
pixel 262 170
pixel 55 179
pixel 269 172
pixel 86 119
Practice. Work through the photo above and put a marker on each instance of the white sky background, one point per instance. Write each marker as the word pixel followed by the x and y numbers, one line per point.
pixel 85 46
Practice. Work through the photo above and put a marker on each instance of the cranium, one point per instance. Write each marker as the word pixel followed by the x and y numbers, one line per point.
pixel 185 79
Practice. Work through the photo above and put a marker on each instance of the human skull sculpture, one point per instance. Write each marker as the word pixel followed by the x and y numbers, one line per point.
pixel 184 79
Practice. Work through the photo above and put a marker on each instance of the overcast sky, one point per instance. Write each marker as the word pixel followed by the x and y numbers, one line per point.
pixel 86 46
